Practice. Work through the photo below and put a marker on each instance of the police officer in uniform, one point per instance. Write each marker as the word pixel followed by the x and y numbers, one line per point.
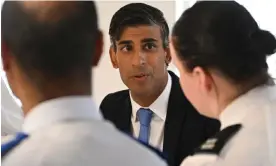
pixel 48 49
pixel 221 53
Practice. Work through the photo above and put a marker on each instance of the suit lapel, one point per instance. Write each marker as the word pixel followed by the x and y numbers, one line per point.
pixel 175 117
pixel 124 117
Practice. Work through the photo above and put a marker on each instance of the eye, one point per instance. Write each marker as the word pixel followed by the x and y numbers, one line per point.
pixel 126 48
pixel 149 46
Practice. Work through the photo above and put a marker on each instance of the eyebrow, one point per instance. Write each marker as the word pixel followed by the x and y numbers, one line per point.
pixel 125 42
pixel 145 40
pixel 149 40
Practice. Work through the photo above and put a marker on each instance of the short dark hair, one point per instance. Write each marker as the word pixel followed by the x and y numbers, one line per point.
pixel 223 35
pixel 56 44
pixel 135 14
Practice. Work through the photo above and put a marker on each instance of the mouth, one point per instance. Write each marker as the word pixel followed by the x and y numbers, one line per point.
pixel 141 76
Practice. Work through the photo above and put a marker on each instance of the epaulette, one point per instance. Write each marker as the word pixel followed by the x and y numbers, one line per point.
pixel 215 144
pixel 11 142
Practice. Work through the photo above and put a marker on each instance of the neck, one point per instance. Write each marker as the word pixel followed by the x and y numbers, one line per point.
pixel 224 102
pixel 229 94
pixel 145 100
pixel 31 97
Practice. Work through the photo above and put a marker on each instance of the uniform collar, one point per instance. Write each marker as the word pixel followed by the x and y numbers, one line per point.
pixel 159 106
pixel 60 109
pixel 235 112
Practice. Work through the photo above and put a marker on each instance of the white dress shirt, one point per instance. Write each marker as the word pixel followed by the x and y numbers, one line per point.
pixel 159 109
pixel 255 143
pixel 71 131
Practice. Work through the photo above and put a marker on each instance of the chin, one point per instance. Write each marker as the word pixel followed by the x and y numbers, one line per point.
pixel 208 114
pixel 140 91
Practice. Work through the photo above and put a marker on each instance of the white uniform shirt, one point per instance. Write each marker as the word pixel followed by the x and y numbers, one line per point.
pixel 255 143
pixel 70 131
pixel 159 108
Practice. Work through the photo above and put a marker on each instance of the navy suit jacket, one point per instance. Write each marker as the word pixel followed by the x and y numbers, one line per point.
pixel 185 129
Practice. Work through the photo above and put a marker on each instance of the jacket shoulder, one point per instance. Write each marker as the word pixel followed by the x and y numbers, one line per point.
pixel 115 97
pixel 113 100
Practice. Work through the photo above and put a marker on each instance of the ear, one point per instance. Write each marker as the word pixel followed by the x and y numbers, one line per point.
pixel 98 49
pixel 204 79
pixel 168 57
pixel 6 58
pixel 113 57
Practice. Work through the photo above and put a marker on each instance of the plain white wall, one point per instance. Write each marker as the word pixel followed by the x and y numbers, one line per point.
pixel 105 78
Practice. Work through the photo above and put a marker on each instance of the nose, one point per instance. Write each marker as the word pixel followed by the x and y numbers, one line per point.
pixel 139 59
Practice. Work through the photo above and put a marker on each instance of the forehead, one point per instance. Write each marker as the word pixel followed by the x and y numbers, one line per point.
pixel 141 32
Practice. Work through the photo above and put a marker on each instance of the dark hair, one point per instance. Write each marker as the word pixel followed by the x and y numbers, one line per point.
pixel 223 35
pixel 135 14
pixel 55 44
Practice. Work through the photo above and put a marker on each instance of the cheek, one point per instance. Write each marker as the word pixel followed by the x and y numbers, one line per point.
pixel 194 94
pixel 123 67
pixel 188 87
pixel 192 91
pixel 156 63
pixel 124 63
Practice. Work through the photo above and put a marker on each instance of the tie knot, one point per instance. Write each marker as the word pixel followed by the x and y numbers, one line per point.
pixel 144 116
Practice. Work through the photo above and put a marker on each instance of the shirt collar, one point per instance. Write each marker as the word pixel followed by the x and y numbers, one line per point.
pixel 60 109
pixel 236 111
pixel 159 106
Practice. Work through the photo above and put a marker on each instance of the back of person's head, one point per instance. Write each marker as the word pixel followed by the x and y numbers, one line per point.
pixel 135 14
pixel 50 40
pixel 219 45
pixel 224 36
pixel 49 48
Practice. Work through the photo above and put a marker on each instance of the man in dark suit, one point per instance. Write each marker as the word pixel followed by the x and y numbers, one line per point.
pixel 154 109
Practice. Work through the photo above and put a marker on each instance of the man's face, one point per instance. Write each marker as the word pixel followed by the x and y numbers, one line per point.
pixel 141 58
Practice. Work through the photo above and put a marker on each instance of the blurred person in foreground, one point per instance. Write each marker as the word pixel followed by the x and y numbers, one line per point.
pixel 154 108
pixel 221 53
pixel 48 50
